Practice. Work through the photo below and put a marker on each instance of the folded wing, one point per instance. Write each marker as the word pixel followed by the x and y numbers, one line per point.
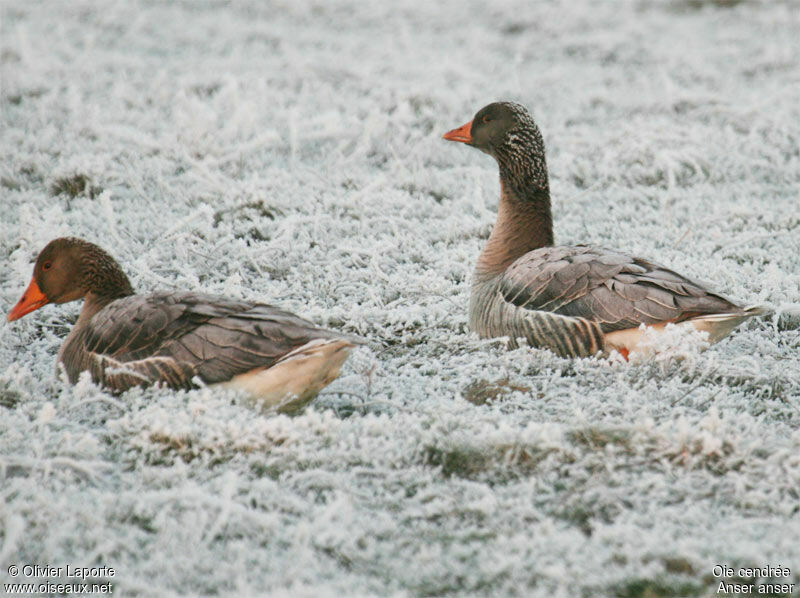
pixel 613 289
pixel 173 337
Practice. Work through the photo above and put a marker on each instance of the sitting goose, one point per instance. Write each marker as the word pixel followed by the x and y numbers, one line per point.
pixel 576 301
pixel 127 340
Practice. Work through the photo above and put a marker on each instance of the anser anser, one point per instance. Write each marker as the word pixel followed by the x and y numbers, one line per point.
pixel 576 301
pixel 127 340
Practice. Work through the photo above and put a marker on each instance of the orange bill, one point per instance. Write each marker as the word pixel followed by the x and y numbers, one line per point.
pixel 462 134
pixel 32 299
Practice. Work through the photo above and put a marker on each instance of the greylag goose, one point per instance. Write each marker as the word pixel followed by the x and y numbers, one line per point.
pixel 175 338
pixel 576 301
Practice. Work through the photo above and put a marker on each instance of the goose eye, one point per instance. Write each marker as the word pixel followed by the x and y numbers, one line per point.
pixel 47 265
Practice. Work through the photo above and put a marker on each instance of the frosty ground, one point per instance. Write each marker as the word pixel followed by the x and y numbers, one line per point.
pixel 291 152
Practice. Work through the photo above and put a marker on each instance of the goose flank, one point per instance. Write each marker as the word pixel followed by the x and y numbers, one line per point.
pixel 173 338
pixel 576 301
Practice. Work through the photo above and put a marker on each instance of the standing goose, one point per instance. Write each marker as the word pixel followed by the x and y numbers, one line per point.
pixel 576 301
pixel 127 340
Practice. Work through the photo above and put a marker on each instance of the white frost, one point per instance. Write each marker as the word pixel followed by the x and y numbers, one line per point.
pixel 291 152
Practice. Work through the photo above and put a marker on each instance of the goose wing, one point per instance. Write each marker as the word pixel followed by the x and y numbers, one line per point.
pixel 613 289
pixel 172 337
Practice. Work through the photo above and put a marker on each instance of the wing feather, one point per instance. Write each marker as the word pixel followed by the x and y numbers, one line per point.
pixel 608 287
pixel 172 337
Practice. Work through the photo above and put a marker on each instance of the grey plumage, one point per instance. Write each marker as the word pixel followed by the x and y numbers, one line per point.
pixel 177 339
pixel 170 338
pixel 576 301
pixel 568 298
pixel 608 287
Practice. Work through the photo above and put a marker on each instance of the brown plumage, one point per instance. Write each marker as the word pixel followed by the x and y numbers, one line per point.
pixel 578 300
pixel 177 338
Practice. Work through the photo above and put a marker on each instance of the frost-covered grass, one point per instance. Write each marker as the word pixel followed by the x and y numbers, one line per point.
pixel 290 152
